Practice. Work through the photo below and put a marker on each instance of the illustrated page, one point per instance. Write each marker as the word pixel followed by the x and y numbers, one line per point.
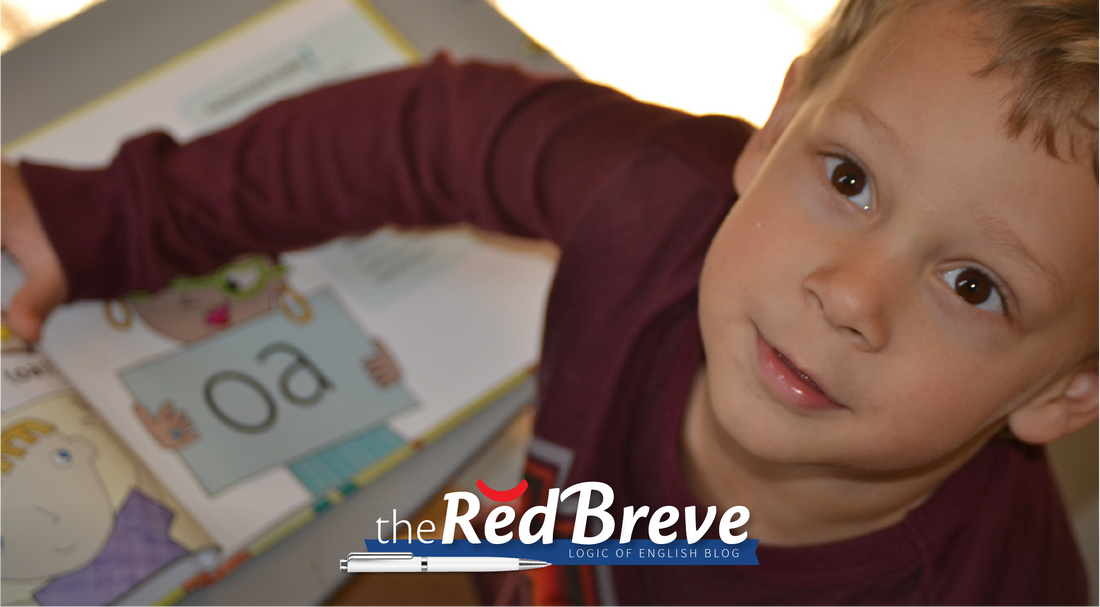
pixel 84 522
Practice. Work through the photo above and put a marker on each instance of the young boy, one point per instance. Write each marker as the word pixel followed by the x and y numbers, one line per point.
pixel 907 276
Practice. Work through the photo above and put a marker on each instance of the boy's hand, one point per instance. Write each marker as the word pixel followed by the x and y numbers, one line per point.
pixel 21 234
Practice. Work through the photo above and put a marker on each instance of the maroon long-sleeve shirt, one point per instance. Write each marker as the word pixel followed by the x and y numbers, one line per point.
pixel 633 195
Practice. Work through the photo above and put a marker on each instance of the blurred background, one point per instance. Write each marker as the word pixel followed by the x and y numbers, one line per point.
pixel 695 55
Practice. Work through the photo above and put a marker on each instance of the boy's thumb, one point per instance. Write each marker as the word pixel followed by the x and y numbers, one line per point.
pixel 33 303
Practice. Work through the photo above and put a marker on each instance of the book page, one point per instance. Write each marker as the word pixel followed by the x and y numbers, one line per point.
pixel 295 46
pixel 257 391
pixel 83 519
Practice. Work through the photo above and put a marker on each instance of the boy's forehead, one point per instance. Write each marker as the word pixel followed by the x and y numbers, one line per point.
pixel 913 86
pixel 926 64
pixel 926 53
pixel 932 130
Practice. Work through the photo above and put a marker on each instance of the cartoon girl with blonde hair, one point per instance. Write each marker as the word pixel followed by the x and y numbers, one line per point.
pixel 61 531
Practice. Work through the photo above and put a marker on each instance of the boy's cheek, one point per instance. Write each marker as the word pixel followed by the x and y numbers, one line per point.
pixel 752 255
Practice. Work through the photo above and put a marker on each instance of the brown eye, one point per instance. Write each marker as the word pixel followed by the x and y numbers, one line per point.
pixel 975 288
pixel 850 180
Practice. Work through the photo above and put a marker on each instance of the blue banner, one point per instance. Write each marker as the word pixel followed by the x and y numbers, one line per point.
pixel 565 552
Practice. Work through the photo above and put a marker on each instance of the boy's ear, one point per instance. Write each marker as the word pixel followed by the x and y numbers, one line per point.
pixel 762 141
pixel 1072 405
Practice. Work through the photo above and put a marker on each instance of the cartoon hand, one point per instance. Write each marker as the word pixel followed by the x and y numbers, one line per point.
pixel 23 236
pixel 382 367
pixel 170 426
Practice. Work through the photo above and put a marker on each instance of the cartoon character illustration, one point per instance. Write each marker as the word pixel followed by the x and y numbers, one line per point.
pixel 193 307
pixel 171 427
pixel 45 530
pixel 61 527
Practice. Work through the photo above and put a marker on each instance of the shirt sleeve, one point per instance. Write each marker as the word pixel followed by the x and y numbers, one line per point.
pixel 433 144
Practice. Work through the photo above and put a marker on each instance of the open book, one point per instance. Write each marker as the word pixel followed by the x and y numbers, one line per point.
pixel 243 403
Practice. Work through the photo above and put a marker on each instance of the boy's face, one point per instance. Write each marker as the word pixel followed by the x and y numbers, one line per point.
pixel 898 276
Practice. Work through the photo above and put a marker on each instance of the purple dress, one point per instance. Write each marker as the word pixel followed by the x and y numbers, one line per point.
pixel 139 546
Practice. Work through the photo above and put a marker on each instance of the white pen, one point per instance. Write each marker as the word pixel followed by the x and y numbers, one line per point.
pixel 394 562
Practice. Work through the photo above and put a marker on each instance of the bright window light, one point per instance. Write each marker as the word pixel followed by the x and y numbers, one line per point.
pixel 22 19
pixel 702 56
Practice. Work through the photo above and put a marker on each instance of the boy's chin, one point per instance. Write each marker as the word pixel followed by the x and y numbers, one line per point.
pixel 762 432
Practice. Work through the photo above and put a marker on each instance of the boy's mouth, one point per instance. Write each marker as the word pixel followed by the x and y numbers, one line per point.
pixel 806 378
pixel 791 384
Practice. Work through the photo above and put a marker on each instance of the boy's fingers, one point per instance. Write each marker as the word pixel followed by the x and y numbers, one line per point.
pixel 22 235
pixel 44 288
pixel 32 304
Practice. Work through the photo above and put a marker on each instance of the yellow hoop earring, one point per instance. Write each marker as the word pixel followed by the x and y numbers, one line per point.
pixel 122 324
pixel 295 307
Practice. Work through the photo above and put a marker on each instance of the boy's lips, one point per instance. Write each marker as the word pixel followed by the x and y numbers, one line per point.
pixel 791 384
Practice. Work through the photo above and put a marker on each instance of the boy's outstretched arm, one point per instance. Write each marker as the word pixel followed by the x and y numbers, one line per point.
pixel 433 144
pixel 22 236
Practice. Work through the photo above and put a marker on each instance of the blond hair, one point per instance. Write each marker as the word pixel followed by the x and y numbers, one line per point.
pixel 1049 47
pixel 25 432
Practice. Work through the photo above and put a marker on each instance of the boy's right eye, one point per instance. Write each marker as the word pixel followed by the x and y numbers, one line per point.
pixel 850 180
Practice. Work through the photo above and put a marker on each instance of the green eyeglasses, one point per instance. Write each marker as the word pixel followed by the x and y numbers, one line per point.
pixel 242 279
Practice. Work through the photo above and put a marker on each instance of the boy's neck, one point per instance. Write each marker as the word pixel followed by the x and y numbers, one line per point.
pixel 797 504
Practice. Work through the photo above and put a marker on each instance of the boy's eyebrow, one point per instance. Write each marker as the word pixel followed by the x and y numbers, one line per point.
pixel 1002 237
pixel 883 131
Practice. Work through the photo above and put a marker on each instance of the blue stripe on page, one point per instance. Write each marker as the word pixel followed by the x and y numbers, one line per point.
pixel 332 467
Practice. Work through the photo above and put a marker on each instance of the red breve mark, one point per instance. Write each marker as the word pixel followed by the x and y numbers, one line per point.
pixel 502 496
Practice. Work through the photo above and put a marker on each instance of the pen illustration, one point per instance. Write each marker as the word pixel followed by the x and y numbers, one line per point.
pixel 405 562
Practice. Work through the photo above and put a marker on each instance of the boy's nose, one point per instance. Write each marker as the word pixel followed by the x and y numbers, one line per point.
pixel 853 297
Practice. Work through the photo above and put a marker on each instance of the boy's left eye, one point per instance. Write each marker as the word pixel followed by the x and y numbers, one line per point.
pixel 850 180
pixel 975 288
